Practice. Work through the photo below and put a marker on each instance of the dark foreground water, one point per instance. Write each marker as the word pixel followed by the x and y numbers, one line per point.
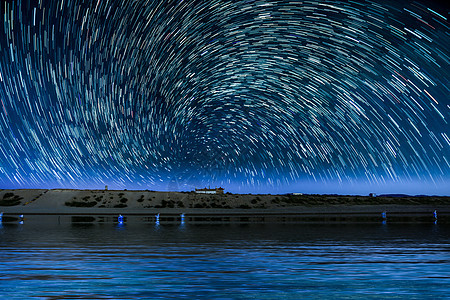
pixel 228 261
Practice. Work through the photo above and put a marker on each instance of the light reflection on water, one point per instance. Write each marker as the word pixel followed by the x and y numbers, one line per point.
pixel 235 261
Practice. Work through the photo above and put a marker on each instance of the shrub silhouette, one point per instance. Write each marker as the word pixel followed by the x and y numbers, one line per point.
pixel 80 203
pixel 9 199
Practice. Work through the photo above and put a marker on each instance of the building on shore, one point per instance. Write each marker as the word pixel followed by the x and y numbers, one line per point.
pixel 209 191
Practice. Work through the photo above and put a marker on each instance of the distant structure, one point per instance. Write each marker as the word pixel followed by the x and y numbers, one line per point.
pixel 372 195
pixel 210 191
pixel 106 187
pixel 297 194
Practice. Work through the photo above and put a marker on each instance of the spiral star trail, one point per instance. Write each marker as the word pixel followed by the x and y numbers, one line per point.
pixel 250 95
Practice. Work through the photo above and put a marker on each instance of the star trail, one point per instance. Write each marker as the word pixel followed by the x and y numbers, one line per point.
pixel 257 96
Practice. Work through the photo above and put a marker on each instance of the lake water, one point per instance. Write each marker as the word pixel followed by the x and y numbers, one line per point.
pixel 50 260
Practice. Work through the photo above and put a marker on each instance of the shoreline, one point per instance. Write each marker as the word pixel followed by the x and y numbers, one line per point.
pixel 333 208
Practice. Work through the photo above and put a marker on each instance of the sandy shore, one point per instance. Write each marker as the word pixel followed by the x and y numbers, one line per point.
pixel 113 202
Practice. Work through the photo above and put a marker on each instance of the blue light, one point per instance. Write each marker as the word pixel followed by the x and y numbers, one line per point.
pixel 383 215
pixel 182 219
pixel 157 219
pixel 120 219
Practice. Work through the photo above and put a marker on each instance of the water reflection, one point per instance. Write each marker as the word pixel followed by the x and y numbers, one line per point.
pixel 120 226
pixel 232 261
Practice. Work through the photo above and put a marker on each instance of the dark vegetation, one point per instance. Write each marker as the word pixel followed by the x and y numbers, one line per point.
pixel 9 199
pixel 81 203
pixel 170 204
pixel 214 202
pixel 228 201
pixel 314 200
pixel 84 202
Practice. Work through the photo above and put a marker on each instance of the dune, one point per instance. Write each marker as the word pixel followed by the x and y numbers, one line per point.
pixel 145 202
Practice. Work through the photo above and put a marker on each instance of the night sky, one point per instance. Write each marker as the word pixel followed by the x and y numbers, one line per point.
pixel 264 96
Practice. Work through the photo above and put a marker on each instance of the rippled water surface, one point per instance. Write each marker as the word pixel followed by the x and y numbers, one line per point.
pixel 235 261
